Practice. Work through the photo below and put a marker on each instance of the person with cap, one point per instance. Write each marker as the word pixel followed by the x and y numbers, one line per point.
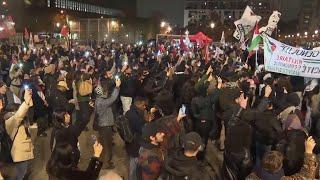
pixel 58 100
pixel 184 164
pixel 105 119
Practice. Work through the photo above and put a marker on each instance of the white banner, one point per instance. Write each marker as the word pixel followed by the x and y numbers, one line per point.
pixel 245 24
pixel 285 59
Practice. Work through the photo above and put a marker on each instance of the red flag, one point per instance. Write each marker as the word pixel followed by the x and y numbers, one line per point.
pixel 26 34
pixel 64 31
pixel 7 27
pixel 207 55
pixel 182 45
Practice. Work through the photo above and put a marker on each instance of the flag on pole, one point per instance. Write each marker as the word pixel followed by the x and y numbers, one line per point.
pixel 218 52
pixel 207 57
pixel 64 31
pixel 223 39
pixel 256 39
pixel 26 33
pixel 245 24
pixel 31 41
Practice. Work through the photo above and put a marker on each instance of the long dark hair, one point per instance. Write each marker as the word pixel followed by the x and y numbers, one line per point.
pixel 59 118
pixel 61 161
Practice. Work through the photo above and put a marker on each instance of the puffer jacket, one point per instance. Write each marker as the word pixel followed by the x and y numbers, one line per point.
pixel 181 167
pixel 22 147
pixel 103 109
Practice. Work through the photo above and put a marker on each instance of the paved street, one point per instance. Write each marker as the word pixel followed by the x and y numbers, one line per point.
pixel 120 158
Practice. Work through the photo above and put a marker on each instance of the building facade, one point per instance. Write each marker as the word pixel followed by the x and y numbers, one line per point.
pixel 309 15
pixel 227 10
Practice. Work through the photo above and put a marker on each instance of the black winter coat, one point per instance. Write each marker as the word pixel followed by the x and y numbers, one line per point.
pixel 293 149
pixel 136 123
pixel 268 128
pixel 91 173
pixel 180 167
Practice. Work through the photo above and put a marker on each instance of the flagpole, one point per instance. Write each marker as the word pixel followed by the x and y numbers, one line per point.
pixel 256 59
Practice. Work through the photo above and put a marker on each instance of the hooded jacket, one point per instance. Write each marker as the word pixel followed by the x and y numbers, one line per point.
pixel 183 167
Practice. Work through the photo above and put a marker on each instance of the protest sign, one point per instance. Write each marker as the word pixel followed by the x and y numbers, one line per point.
pixel 285 59
pixel 245 24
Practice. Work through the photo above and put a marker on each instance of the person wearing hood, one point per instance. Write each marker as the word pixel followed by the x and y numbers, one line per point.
pixel 292 145
pixel 272 165
pixel 184 164
pixel 105 119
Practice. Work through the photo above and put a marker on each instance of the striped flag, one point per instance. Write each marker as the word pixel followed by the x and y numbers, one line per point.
pixel 256 39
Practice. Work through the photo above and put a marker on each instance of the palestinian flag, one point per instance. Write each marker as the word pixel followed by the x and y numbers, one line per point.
pixel 256 40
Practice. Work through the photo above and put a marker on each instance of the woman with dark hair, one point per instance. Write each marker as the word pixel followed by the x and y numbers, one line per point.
pixel 66 133
pixel 60 165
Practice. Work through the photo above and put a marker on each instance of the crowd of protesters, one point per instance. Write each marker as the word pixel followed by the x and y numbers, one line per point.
pixel 171 103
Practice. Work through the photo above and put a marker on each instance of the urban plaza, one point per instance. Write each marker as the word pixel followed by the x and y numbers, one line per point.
pixel 159 89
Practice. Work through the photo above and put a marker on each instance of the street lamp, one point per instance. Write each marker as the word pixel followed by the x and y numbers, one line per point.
pixel 127 35
pixel 61 11
pixel 212 25
pixel 4 3
pixel 113 23
pixel 316 32
pixel 306 33
pixel 58 24
pixel 298 34
pixel 162 24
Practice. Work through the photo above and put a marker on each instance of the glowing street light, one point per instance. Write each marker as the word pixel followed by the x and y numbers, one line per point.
pixel 212 25
pixel 127 35
pixel 113 23
pixel 289 36
pixel 316 32
pixel 112 40
pixel 298 34
pixel 306 33
pixel 58 24
pixel 4 3
pixel 61 11
pixel 162 24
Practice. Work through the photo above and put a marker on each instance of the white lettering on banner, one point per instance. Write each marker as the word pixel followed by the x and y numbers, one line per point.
pixel 285 59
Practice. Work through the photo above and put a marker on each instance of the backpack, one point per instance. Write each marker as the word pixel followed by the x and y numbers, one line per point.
pixel 123 128
pixel 5 145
